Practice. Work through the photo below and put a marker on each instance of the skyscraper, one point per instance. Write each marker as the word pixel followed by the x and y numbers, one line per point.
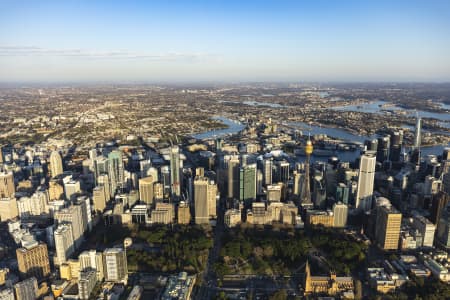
pixel 55 189
pixel 175 170
pixel 366 178
pixel 33 261
pixel 384 145
pixel 104 180
pixel 74 216
pixel 146 189
pixel 205 193
pixel 86 212
pixel 158 191
pixel 387 230
pixel 166 181
pixel 71 187
pixel 438 204
pixel 247 183
pixel 305 194
pixel 298 179
pixel 371 145
pixel 342 193
pixel 416 152
pixel 101 166
pixel 319 192
pixel 63 243
pixel 56 165
pixel 282 168
pixel 418 133
pixel 267 170
pixel 340 212
pixel 115 170
pixel 99 195
pixel 426 229
pixel 92 260
pixel 396 145
pixel 115 262
pixel 233 177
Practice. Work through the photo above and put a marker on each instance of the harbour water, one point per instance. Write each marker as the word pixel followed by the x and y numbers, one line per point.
pixel 350 137
pixel 235 127
pixel 382 106
pixel 258 103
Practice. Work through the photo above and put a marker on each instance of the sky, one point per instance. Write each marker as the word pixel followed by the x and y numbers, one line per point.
pixel 230 41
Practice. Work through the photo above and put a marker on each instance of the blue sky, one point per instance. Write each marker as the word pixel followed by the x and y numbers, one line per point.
pixel 160 41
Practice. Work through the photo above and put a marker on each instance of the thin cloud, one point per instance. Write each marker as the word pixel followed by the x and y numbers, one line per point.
pixel 93 54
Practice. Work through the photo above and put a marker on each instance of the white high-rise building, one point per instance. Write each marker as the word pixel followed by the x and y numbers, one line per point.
pixel 340 212
pixel 35 205
pixel 115 262
pixel 56 165
pixel 418 133
pixel 74 216
pixel 24 207
pixel 39 202
pixel 71 187
pixel 366 178
pixel 92 260
pixel 86 211
pixel 63 243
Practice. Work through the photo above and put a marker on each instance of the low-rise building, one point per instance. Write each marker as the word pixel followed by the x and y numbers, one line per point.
pixel 179 287
pixel 380 280
pixel 136 293
pixel 183 213
pixel 329 285
pixel 285 213
pixel 319 217
pixel 437 270
pixel 232 217
pixel 7 294
pixel 163 213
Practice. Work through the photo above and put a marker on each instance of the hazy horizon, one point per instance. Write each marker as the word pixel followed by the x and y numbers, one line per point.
pixel 224 42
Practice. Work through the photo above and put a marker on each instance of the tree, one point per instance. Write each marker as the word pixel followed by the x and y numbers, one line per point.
pixel 279 295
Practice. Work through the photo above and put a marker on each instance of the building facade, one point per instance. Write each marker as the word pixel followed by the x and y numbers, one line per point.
pixel 33 261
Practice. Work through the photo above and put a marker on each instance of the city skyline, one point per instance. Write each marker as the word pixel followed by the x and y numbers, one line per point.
pixel 224 41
